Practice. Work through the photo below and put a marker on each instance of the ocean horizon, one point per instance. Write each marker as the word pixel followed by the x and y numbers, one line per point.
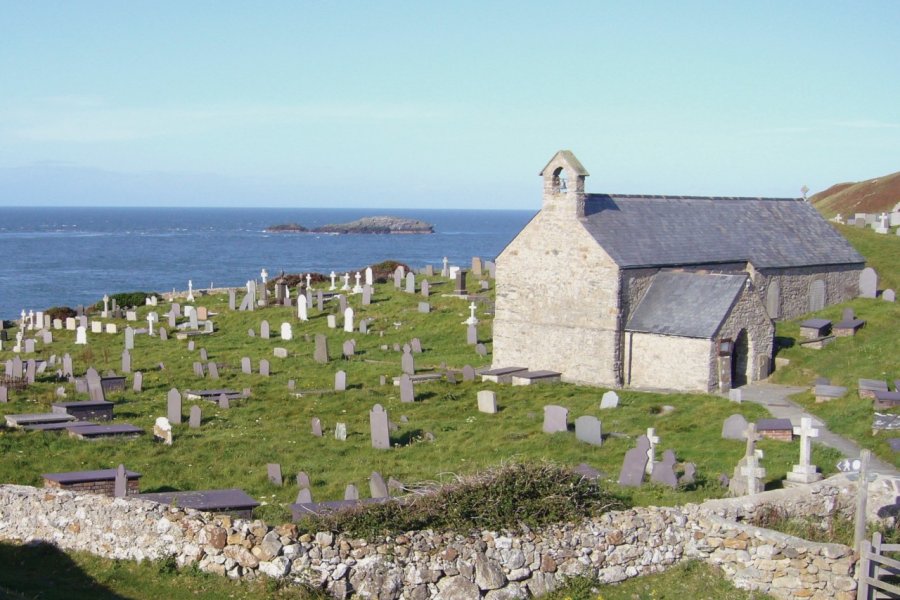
pixel 66 256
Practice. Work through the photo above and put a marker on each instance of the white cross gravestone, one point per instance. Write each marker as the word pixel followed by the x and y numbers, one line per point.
pixel 651 452
pixel 346 286
pixel 332 275
pixel 805 472
pixel 357 289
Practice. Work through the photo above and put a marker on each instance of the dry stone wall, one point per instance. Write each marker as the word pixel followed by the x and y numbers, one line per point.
pixel 425 564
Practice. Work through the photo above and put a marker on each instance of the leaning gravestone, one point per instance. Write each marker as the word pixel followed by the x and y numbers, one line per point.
pixel 213 370
pixel 378 426
pixel 377 487
pixel 734 428
pixel 321 352
pixel 635 463
pixel 406 389
pixel 173 406
pixel 589 430
pixel 480 349
pixel 555 419
pixel 664 471
pixel 195 418
pixel 273 470
pixel 609 400
pixel 487 401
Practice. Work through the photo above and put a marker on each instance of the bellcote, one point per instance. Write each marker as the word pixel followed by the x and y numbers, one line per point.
pixel 564 184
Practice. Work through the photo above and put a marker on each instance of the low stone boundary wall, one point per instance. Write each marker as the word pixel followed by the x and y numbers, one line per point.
pixel 425 564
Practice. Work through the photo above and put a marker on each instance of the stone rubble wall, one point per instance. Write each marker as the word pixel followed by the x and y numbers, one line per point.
pixel 425 564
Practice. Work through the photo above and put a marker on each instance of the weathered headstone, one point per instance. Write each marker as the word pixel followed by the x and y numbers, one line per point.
pixel 734 427
pixel 635 464
pixel 609 400
pixel 195 417
pixel 555 419
pixel 426 289
pixel 246 366
pixel 173 406
pixel 321 352
pixel 162 430
pixel 340 431
pixel 273 471
pixel 264 330
pixel 690 470
pixel 487 401
pixel 664 471
pixel 264 367
pixel 351 493
pixel 377 486
pixel 888 295
pixel 468 373
pixel 407 364
pixel 348 349
pixel 213 370
pixel 378 426
pixel 410 283
pixel 868 283
pixel 302 480
pixel 588 429
pixel 224 402
pixel 316 427
pixel 480 349
pixel 340 381
pixel 407 393
pixel 126 361
pixel 471 335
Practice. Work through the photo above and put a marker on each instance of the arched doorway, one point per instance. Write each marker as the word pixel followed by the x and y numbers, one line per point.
pixel 740 360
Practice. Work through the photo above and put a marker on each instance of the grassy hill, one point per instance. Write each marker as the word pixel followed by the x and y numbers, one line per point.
pixel 871 196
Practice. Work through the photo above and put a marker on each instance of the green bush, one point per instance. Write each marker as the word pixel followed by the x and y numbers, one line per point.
pixel 59 312
pixel 508 496
pixel 124 299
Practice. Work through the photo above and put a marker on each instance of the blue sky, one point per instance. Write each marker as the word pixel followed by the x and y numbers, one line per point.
pixel 439 104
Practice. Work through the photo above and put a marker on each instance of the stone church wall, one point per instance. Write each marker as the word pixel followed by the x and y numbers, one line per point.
pixel 667 362
pixel 841 285
pixel 749 314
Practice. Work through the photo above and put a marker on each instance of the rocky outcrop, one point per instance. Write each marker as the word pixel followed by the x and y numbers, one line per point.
pixel 379 225
pixel 287 228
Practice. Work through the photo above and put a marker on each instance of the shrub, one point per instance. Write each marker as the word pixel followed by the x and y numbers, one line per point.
pixel 532 494
pixel 59 312
pixel 124 299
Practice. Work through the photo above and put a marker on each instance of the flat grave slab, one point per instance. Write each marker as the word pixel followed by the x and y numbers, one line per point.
pixel 826 393
pixel 320 508
pixel 212 395
pixel 776 429
pixel 56 426
pixel 100 410
pixel 232 500
pixel 815 328
pixel 90 432
pixel 102 481
pixel 536 377
pixel 817 343
pixel 421 378
pixel 37 419
pixel 302 393
pixel 886 400
pixel 848 328
pixel 503 375
pixel 868 387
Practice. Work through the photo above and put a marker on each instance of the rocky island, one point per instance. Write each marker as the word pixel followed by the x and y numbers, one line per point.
pixel 364 225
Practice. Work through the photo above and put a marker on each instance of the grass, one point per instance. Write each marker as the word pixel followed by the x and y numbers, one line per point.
pixel 42 571
pixel 233 446
pixel 882 252
pixel 693 580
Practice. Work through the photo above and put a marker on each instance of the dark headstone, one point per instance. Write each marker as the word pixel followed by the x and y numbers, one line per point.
pixel 664 471
pixel 635 464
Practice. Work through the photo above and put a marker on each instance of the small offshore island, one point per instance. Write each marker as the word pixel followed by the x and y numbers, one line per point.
pixel 365 225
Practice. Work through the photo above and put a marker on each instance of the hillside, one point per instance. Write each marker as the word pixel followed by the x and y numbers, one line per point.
pixel 871 196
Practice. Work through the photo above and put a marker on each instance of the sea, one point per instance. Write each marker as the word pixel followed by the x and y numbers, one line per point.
pixel 55 256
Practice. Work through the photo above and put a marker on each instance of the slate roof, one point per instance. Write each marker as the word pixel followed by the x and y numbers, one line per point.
pixel 643 231
pixel 686 304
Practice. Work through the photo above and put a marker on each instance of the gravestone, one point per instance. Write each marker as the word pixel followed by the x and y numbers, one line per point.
pixel 342 302
pixel 589 430
pixel 163 334
pixel 651 452
pixel 231 299
pixel 367 295
pixel 555 419
pixel 302 480
pixel 273 470
pixel 264 330
pixel 340 381
pixel 480 349
pixel 609 400
pixel 94 386
pixel 173 406
pixel 204 356
pixel 378 427
pixel 734 428
pixel 264 367
pixel 304 496
pixel 126 361
pixel 280 352
pixel 81 336
pixel 67 365
pixel 348 320
pixel 410 283
pixel 426 289
pixel 406 389
pixel 424 308
pixel 348 349
pixel 377 486
pixel 202 313
pixel 805 472
pixel 487 401
pixel 868 283
pixel 198 369
pixel 690 470
pixel 224 402
pixel 887 295
pixel 138 384
pixel 364 326
pixel 459 287
pixel 321 352
pixel 213 370
pixel 246 367
pixel 120 486
pixel 195 417
pixel 635 464
pixel 351 493
pixel 162 430
pixel 191 346
pixel 316 427
pixel 664 471
pixel 407 364
pixel 4 394
pixel 302 309
pixel 340 432
pixel 773 299
pixel 415 346
pixel 96 327
pixel 331 320
pixel 468 373
pixel 471 335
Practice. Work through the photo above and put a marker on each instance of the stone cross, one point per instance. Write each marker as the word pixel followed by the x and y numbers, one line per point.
pixel 805 472
pixel 264 275
pixel 651 452
pixel 754 474
pixel 445 271
pixel 752 438
pixel 190 296
pixel 346 279
pixel 357 289
pixel 472 320
pixel 105 306
pixel 308 280
pixel 332 275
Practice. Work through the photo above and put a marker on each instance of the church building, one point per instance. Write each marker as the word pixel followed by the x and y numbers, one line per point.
pixel 661 292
